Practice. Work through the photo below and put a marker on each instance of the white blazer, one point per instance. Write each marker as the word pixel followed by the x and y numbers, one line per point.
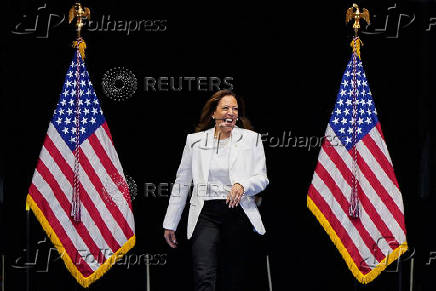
pixel 246 167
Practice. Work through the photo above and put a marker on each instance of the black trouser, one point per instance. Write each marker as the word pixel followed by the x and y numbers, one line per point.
pixel 220 246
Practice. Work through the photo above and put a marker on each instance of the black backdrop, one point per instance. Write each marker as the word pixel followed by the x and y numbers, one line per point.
pixel 286 61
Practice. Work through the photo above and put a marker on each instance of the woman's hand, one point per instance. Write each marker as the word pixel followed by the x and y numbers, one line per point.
pixel 170 237
pixel 235 195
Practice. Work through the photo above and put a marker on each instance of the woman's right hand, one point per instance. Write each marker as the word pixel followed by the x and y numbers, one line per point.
pixel 170 237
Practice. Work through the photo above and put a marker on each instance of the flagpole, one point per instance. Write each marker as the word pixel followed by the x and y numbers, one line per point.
pixel 147 272
pixel 268 269
pixel 412 268
pixel 78 12
pixel 355 13
pixel 400 275
pixel 27 247
pixel 3 272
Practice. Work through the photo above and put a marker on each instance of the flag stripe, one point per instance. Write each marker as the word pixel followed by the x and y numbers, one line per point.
pixel 378 171
pixel 387 220
pixel 361 225
pixel 369 216
pixel 337 226
pixel 67 190
pixel 107 192
pixel 108 132
pixel 62 189
pixel 112 188
pixel 112 154
pixel 71 244
pixel 386 240
pixel 381 159
pixel 60 159
pixel 59 201
pixel 387 224
pixel 380 190
pixel 368 189
pixel 378 211
pixel 377 136
pixel 337 154
pixel 355 231
pixel 67 244
pixel 115 237
pixel 110 168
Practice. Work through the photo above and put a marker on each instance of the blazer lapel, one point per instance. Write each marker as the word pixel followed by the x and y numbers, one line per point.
pixel 206 147
pixel 237 137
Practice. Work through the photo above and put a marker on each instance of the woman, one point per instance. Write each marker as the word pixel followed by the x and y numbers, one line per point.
pixel 227 166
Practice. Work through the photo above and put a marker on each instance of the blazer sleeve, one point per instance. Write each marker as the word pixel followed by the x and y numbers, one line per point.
pixel 258 181
pixel 180 189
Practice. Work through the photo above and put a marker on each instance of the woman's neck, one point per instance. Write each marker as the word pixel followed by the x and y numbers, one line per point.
pixel 221 135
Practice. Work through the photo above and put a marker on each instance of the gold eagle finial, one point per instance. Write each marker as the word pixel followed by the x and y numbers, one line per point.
pixel 354 13
pixel 80 13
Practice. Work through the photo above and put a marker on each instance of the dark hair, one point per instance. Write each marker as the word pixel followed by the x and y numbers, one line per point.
pixel 209 108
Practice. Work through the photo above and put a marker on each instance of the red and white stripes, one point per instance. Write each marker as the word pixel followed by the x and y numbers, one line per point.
pixel 107 218
pixel 380 228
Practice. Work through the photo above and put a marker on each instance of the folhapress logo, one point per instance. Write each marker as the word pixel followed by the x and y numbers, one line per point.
pixel 396 19
pixel 105 23
pixel 41 21
pixel 38 23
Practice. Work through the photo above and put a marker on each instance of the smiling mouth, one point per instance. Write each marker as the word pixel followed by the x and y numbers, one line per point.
pixel 228 120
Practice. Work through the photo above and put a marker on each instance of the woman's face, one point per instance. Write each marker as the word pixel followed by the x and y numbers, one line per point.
pixel 226 113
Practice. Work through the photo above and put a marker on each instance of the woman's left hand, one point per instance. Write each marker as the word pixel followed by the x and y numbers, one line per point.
pixel 235 195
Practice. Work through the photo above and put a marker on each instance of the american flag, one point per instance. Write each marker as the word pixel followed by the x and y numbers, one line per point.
pixel 354 156
pixel 106 229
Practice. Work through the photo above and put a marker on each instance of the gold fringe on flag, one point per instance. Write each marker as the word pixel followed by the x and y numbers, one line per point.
pixel 83 281
pixel 355 44
pixel 80 43
pixel 362 278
